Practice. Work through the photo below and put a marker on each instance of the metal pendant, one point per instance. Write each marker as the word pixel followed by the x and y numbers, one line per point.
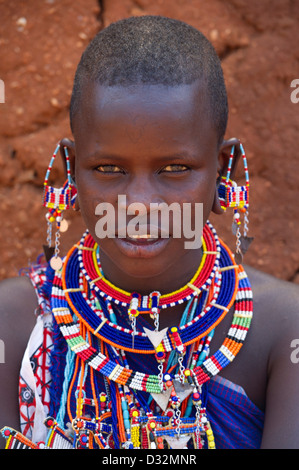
pixel 179 442
pixel 162 398
pixel 182 390
pixel 48 252
pixel 56 263
pixel 245 243
pixel 238 258
pixel 64 225
pixel 155 337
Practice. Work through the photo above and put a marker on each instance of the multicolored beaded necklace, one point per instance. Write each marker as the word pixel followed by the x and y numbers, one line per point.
pixel 136 409
pixel 107 402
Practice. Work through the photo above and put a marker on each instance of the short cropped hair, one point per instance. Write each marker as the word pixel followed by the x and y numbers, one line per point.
pixel 153 50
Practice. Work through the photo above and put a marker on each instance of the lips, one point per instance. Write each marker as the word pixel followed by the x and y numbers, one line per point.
pixel 141 245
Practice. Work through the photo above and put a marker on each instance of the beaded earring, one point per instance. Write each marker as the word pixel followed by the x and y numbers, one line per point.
pixel 57 200
pixel 237 197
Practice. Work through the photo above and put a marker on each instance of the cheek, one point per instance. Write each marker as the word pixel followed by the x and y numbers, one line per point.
pixel 90 191
pixel 200 190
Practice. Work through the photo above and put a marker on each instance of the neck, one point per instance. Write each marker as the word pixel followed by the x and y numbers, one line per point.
pixel 171 279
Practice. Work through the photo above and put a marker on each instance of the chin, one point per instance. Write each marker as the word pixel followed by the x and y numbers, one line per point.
pixel 140 262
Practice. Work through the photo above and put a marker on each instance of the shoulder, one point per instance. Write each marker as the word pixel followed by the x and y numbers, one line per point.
pixel 276 313
pixel 276 301
pixel 18 302
pixel 16 289
pixel 264 284
pixel 276 306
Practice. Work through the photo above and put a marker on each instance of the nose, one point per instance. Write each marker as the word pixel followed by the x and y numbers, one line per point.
pixel 139 193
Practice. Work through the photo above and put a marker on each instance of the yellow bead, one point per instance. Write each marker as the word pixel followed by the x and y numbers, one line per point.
pixel 135 413
pixel 102 398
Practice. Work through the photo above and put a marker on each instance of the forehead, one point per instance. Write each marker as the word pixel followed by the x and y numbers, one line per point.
pixel 155 115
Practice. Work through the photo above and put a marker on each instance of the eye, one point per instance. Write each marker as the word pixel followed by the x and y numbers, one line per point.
pixel 109 169
pixel 175 168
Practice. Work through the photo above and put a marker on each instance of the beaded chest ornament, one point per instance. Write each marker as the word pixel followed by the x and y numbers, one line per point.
pixel 176 388
pixel 117 414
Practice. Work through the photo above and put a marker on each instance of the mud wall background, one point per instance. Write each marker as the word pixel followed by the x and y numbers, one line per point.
pixel 41 42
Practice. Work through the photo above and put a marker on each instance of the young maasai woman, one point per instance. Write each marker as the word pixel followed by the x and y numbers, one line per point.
pixel 139 335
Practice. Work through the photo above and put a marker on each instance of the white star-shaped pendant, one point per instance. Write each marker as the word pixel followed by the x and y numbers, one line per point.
pixel 179 442
pixel 155 337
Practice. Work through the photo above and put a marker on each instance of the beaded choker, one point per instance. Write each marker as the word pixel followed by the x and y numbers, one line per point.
pixel 88 255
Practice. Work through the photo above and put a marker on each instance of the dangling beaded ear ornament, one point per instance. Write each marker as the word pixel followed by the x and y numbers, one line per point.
pixel 237 197
pixel 57 200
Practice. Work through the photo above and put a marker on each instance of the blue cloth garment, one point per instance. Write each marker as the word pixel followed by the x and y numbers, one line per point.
pixel 236 422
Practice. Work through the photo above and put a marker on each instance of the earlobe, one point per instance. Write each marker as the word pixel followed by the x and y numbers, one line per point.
pixel 223 162
pixel 216 208
pixel 224 156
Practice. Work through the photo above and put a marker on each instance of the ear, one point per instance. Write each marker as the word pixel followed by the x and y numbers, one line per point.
pixel 223 161
pixel 70 145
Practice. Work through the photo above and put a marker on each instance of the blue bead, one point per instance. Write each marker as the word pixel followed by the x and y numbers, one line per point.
pixel 124 405
pixel 127 424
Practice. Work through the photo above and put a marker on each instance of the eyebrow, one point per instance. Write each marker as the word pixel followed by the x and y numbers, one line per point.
pixel 159 158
